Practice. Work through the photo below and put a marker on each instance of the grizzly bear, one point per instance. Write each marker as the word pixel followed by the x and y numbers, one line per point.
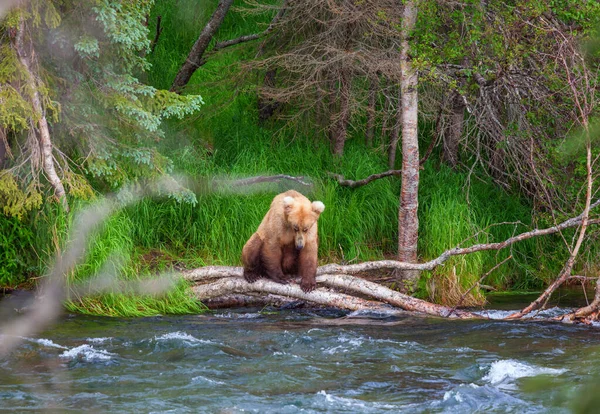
pixel 286 242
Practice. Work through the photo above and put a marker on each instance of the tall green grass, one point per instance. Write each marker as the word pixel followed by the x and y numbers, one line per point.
pixel 452 214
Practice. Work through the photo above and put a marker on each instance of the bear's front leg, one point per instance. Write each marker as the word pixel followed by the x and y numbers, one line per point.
pixel 307 268
pixel 251 258
pixel 271 260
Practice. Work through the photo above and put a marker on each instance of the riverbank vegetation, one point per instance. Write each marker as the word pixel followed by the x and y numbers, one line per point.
pixel 499 139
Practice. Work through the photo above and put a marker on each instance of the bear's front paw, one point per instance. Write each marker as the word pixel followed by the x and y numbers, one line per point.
pixel 279 279
pixel 251 276
pixel 308 285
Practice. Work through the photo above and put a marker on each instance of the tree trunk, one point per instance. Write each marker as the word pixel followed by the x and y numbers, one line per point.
pixel 395 135
pixel 194 59
pixel 343 117
pixel 451 137
pixel 3 147
pixel 267 106
pixel 408 220
pixel 26 56
pixel 371 111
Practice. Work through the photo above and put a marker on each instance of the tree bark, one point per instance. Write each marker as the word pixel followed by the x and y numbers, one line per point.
pixel 318 296
pixel 395 134
pixel 408 220
pixel 452 135
pixel 343 117
pixel 26 56
pixel 194 59
pixel 3 147
pixel 267 106
pixel 371 111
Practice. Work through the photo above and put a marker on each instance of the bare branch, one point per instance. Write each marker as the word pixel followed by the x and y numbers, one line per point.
pixel 264 179
pixel 255 36
pixel 390 296
pixel 194 59
pixel 353 184
pixel 479 282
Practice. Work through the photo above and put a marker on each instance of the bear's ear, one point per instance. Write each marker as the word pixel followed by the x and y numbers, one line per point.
pixel 318 207
pixel 288 203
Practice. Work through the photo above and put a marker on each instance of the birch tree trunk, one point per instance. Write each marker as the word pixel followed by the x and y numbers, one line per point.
pixel 26 56
pixel 194 59
pixel 408 220
pixel 395 135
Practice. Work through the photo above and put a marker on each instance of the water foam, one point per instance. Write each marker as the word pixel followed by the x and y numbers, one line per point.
pixel 349 344
pixel 200 378
pixel 181 336
pixel 505 371
pixel 473 398
pixel 543 314
pixel 99 340
pixel 351 402
pixel 87 353
pixel 45 342
pixel 234 315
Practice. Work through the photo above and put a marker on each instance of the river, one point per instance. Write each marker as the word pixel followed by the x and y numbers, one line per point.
pixel 309 361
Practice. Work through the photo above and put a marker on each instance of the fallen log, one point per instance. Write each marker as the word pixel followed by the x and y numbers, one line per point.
pixel 247 300
pixel 231 285
pixel 229 281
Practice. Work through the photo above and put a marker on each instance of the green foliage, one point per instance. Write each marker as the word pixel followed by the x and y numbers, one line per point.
pixel 16 202
pixel 16 260
pixel 14 110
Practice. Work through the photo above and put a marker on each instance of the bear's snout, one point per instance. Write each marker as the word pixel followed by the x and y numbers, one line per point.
pixel 299 244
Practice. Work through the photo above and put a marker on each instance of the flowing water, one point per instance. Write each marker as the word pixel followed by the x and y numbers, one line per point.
pixel 303 361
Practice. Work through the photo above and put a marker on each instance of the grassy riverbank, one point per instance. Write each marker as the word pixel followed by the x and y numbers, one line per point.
pixel 225 140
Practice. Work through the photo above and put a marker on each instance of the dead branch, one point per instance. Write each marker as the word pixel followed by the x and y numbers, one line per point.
pixel 250 37
pixel 384 294
pixel 462 298
pixel 583 93
pixel 240 300
pixel 194 59
pixel 353 184
pixel 263 179
pixel 586 311
pixel 359 183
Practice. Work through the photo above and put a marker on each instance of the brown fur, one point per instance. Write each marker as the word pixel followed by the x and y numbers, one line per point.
pixel 286 242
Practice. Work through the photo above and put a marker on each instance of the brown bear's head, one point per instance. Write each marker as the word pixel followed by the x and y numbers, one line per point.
pixel 301 216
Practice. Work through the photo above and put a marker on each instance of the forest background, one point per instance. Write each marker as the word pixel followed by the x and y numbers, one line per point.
pixel 90 107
